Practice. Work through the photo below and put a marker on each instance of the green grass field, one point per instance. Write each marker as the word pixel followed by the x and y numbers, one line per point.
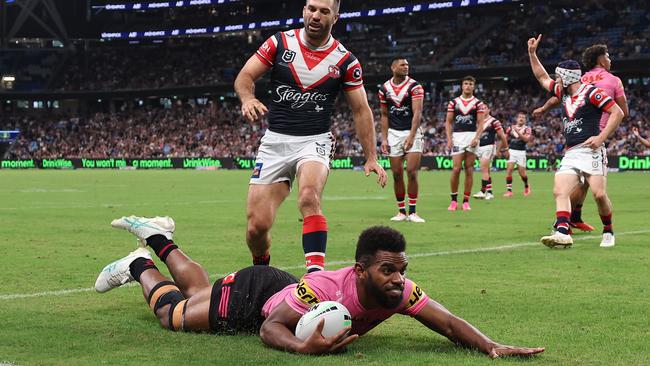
pixel 586 305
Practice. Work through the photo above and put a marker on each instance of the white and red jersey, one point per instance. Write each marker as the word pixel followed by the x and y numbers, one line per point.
pixel 611 84
pixel 514 134
pixel 490 128
pixel 306 81
pixel 466 113
pixel 398 100
pixel 581 112
pixel 341 286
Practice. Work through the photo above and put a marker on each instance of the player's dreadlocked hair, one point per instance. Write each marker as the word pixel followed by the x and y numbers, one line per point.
pixel 591 54
pixel 378 238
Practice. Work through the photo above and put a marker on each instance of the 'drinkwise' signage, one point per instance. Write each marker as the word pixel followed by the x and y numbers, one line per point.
pixel 621 163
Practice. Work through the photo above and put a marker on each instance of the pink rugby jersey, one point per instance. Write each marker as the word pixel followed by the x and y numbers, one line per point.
pixel 341 286
pixel 611 84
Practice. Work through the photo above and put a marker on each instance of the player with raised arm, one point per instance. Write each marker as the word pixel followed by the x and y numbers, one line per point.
pixel 487 151
pixel 520 135
pixel 269 301
pixel 401 100
pixel 308 70
pixel 586 156
pixel 645 142
pixel 595 59
pixel 464 126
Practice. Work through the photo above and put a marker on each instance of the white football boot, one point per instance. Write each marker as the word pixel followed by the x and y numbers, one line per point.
pixel 415 218
pixel 608 240
pixel 118 273
pixel 489 196
pixel 557 239
pixel 144 227
pixel 399 217
pixel 480 195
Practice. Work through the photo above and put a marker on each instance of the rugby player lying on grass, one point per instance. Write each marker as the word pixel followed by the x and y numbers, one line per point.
pixel 270 301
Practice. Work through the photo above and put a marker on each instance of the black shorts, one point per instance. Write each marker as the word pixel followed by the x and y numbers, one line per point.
pixel 237 299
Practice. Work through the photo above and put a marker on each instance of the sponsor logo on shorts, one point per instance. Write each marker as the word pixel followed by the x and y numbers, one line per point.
pixel 257 170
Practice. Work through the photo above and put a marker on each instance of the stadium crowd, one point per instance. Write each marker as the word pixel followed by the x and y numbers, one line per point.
pixel 478 40
pixel 190 129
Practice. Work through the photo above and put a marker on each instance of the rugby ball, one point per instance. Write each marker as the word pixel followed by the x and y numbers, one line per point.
pixel 336 318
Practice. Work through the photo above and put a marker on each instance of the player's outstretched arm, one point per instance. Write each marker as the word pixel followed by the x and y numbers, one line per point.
pixel 276 332
pixel 551 103
pixel 251 108
pixel 365 127
pixel 538 70
pixel 437 318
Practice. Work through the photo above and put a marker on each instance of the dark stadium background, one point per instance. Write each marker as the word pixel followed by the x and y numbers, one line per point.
pixel 74 94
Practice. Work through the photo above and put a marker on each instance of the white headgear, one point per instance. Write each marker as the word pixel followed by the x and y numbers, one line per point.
pixel 569 76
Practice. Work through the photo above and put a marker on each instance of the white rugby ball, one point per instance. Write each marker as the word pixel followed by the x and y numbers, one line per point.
pixel 336 318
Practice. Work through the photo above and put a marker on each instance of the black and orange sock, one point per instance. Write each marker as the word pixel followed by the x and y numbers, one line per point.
pixel 161 245
pixel 140 265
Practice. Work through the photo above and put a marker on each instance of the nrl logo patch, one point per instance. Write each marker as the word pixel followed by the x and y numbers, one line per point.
pixel 288 56
pixel 334 71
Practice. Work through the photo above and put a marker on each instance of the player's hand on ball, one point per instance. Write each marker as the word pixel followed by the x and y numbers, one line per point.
pixel 384 147
pixel 373 166
pixel 253 109
pixel 502 350
pixel 533 43
pixel 316 344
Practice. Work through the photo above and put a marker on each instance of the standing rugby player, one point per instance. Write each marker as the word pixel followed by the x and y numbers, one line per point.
pixel 595 59
pixel 401 100
pixel 586 156
pixel 486 152
pixel 308 70
pixel 519 136
pixel 464 125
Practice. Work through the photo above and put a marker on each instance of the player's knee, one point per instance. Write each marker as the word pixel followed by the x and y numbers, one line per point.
pixel 398 175
pixel 456 169
pixel 257 227
pixel 600 195
pixel 168 303
pixel 412 174
pixel 309 198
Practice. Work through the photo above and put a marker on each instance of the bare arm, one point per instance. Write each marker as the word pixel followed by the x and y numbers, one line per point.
pixel 614 120
pixel 538 70
pixel 384 129
pixel 503 146
pixel 365 128
pixel 276 332
pixel 480 126
pixel 449 128
pixel 251 108
pixel 435 317
pixel 645 142
pixel 415 122
pixel 551 103
pixel 622 103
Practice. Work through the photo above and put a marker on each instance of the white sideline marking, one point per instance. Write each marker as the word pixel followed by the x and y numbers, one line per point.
pixel 56 206
pixel 334 263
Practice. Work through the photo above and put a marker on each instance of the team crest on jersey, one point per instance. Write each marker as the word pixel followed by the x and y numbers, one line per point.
pixel 334 72
pixel 356 73
pixel 288 56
